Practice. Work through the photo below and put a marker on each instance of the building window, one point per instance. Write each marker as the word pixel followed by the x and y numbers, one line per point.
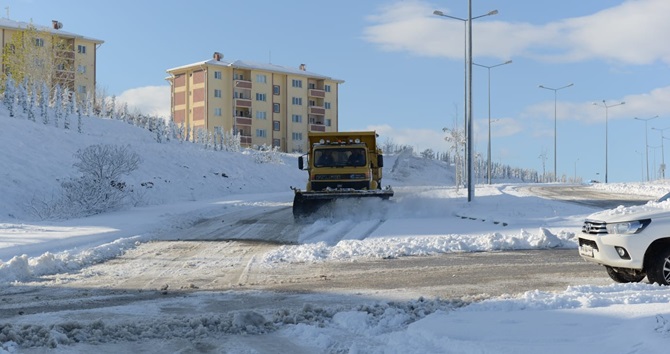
pixel 276 107
pixel 260 96
pixel 217 75
pixel 261 133
pixel 39 42
pixel 297 136
pixel 311 85
pixel 217 112
pixel 275 90
pixel 261 78
pixel 296 83
pixel 327 88
pixel 81 49
pixel 328 122
pixel 326 105
pixel 217 93
pixel 81 69
pixel 297 101
pixel 276 143
pixel 296 118
pixel 276 125
pixel 312 103
pixel 261 115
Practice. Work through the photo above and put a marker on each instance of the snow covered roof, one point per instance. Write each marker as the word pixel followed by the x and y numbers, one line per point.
pixel 20 25
pixel 250 65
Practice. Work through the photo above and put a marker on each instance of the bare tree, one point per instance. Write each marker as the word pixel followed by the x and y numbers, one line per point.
pixel 35 56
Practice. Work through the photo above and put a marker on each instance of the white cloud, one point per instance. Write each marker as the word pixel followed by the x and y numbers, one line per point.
pixel 631 33
pixel 148 100
pixel 419 139
pixel 636 105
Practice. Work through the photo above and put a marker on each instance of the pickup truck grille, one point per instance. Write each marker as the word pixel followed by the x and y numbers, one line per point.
pixel 594 227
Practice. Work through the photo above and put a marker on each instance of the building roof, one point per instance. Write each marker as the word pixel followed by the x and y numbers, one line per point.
pixel 20 25
pixel 249 65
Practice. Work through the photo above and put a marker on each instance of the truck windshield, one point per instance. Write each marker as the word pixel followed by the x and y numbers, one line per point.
pixel 340 156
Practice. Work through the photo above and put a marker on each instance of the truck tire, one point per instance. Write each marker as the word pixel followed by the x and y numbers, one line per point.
pixel 623 276
pixel 658 267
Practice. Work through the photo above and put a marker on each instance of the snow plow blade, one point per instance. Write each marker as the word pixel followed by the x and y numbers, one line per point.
pixel 306 203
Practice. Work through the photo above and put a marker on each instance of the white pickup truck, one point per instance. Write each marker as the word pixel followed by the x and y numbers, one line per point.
pixel 631 242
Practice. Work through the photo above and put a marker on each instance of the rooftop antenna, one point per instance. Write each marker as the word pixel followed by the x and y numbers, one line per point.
pixel 7 10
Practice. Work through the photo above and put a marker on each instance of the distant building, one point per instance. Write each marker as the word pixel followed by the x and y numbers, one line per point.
pixel 266 104
pixel 77 68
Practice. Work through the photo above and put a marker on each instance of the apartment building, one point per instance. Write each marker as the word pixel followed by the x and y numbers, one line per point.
pixel 76 68
pixel 266 104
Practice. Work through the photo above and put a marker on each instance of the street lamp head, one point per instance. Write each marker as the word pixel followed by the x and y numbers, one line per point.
pixel 493 12
pixel 438 13
pixel 508 62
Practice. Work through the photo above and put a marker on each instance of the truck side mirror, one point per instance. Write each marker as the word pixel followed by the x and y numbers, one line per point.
pixel 380 161
pixel 301 163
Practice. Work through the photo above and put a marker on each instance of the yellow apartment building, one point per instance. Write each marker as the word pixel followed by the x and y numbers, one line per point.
pixel 77 72
pixel 266 104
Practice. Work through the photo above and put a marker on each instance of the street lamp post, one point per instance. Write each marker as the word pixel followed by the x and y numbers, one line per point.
pixel 641 166
pixel 575 179
pixel 555 150
pixel 662 151
pixel 488 161
pixel 606 134
pixel 646 143
pixel 467 117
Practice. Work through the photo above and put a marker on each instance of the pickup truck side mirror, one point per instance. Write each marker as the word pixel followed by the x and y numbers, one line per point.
pixel 301 163
pixel 380 161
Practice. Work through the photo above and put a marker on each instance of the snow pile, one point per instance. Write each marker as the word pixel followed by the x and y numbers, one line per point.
pixel 654 189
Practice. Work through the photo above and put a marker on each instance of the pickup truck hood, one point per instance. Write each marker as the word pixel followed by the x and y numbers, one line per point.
pixel 651 210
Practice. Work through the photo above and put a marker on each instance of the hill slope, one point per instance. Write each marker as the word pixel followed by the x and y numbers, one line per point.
pixel 37 157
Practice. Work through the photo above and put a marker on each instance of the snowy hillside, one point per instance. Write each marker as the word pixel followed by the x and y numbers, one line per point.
pixel 38 157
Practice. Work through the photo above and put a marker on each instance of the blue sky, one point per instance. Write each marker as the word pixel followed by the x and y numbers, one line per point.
pixel 403 67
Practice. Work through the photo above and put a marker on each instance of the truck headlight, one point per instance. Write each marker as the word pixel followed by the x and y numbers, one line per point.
pixel 627 228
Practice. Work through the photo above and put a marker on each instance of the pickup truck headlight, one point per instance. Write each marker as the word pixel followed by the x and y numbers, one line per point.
pixel 627 228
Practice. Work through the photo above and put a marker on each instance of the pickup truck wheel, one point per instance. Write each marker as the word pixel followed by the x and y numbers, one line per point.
pixel 624 276
pixel 658 267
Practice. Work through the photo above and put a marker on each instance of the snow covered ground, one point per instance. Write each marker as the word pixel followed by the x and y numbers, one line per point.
pixel 427 216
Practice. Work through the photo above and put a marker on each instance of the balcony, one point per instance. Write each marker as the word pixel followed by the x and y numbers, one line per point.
pixel 245 139
pixel 243 84
pixel 242 102
pixel 317 128
pixel 317 93
pixel 65 54
pixel 65 75
pixel 317 110
pixel 243 121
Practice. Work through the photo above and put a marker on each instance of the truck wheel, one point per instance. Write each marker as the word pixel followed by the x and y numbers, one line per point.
pixel 658 267
pixel 623 276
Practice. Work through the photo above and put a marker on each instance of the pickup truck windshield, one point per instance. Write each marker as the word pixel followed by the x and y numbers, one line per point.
pixel 339 157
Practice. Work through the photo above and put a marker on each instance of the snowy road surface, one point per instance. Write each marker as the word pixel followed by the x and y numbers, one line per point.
pixel 221 262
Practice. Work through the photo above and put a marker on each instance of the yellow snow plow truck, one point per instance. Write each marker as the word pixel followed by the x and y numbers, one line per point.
pixel 340 165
